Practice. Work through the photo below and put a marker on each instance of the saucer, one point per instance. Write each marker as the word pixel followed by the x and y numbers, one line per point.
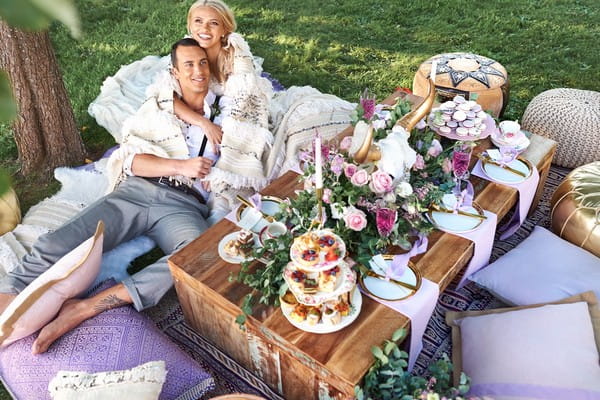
pixel 520 141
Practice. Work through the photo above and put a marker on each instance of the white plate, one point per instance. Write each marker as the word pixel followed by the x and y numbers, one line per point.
pixel 319 263
pixel 320 327
pixel 227 257
pixel 387 290
pixel 345 282
pixel 455 222
pixel 502 175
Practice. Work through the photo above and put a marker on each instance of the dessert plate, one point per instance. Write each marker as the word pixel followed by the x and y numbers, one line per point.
pixel 490 128
pixel 229 258
pixel 502 175
pixel 320 263
pixel 345 282
pixel 321 327
pixel 378 286
pixel 457 223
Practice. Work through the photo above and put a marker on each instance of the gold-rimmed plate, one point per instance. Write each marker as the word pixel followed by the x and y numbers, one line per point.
pixel 389 290
pixel 269 206
pixel 503 175
pixel 448 221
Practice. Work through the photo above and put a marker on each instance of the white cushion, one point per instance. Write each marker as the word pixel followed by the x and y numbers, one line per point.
pixel 547 352
pixel 143 382
pixel 41 300
pixel 541 269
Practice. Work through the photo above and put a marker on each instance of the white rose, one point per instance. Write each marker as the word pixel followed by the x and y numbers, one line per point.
pixel 404 189
pixel 337 211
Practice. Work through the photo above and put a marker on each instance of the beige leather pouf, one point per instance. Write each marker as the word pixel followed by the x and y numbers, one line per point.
pixel 576 208
pixel 10 211
pixel 571 117
pixel 464 74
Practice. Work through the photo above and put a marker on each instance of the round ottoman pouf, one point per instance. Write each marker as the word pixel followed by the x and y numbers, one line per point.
pixel 571 117
pixel 10 211
pixel 576 208
pixel 464 74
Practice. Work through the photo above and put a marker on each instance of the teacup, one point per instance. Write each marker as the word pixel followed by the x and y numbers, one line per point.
pixel 509 129
pixel 275 229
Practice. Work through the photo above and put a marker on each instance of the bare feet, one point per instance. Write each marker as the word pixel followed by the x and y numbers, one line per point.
pixel 5 300
pixel 71 314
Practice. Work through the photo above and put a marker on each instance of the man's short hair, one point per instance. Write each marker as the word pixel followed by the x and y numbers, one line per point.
pixel 186 42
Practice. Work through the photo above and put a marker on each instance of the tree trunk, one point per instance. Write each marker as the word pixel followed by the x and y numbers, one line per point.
pixel 45 130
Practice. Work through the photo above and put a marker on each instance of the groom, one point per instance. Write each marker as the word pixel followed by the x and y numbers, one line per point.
pixel 157 164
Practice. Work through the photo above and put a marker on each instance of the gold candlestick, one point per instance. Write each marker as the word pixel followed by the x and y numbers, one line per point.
pixel 319 194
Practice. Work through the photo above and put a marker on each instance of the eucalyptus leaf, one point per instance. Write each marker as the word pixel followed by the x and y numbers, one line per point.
pixel 398 334
pixel 8 107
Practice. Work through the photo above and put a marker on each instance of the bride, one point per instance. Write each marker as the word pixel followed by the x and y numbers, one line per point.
pixel 260 138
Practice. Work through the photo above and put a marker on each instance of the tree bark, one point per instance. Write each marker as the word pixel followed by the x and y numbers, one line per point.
pixel 45 131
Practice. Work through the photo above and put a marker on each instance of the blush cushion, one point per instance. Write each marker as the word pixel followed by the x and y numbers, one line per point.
pixel 41 300
pixel 114 340
pixel 541 269
pixel 547 351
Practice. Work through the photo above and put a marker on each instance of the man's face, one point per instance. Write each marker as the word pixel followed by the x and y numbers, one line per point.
pixel 192 69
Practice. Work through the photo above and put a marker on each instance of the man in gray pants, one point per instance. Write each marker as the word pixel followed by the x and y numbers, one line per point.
pixel 149 202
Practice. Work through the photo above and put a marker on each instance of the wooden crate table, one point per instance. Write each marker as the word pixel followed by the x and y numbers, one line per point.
pixel 302 365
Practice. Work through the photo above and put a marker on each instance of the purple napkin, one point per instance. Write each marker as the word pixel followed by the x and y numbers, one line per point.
pixel 418 308
pixel 526 189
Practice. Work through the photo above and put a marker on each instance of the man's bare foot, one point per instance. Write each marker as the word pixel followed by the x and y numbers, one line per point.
pixel 5 300
pixel 72 313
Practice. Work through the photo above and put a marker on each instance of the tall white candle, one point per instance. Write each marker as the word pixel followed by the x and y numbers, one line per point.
pixel 433 70
pixel 318 164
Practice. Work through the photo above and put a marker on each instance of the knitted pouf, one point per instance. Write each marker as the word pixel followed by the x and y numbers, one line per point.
pixel 571 117
pixel 10 212
pixel 576 208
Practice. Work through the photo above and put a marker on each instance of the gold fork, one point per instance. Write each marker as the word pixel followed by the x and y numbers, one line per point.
pixel 504 166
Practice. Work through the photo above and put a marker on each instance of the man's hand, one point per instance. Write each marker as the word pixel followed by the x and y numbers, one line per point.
pixel 196 167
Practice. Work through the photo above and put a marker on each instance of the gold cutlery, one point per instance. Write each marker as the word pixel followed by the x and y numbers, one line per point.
pixel 400 283
pixel 503 166
pixel 437 208
pixel 247 203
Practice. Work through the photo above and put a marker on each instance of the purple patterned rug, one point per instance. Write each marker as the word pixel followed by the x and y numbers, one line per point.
pixel 231 377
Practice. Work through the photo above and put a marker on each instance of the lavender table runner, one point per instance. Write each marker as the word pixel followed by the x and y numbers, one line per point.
pixel 418 308
pixel 526 189
pixel 483 238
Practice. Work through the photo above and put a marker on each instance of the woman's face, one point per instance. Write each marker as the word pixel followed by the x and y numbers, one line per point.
pixel 206 27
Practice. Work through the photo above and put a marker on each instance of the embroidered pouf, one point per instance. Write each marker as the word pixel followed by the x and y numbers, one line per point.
pixel 576 208
pixel 466 74
pixel 570 117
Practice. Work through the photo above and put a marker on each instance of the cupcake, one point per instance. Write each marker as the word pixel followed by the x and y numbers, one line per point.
pixel 299 313
pixel 288 302
pixel 331 316
pixel 313 316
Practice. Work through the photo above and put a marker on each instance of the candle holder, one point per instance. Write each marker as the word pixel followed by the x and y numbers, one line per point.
pixel 319 194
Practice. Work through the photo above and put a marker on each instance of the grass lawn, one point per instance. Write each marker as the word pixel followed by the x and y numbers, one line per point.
pixel 339 47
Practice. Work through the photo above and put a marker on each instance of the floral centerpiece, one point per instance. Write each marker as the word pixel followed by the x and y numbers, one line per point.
pixel 372 203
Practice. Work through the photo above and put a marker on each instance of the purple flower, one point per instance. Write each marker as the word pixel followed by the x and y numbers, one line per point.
pixel 435 149
pixel 337 165
pixel 419 163
pixel 367 102
pixel 385 218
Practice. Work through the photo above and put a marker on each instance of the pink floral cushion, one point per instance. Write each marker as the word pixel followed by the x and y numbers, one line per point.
pixel 41 300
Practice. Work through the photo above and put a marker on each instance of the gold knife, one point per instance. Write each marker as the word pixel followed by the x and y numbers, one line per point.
pixel 436 207
pixel 504 166
pixel 400 283
pixel 247 203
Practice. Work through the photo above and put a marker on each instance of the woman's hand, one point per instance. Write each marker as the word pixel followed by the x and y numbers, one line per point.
pixel 196 167
pixel 213 132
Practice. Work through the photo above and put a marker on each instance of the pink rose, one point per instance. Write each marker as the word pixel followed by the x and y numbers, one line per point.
pixel 360 178
pixel 380 182
pixel 385 218
pixel 346 143
pixel 355 219
pixel 447 166
pixel 327 195
pixel 350 170
pixel 435 149
pixel 419 163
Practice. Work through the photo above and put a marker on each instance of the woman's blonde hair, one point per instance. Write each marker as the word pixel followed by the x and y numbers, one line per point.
pixel 225 57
